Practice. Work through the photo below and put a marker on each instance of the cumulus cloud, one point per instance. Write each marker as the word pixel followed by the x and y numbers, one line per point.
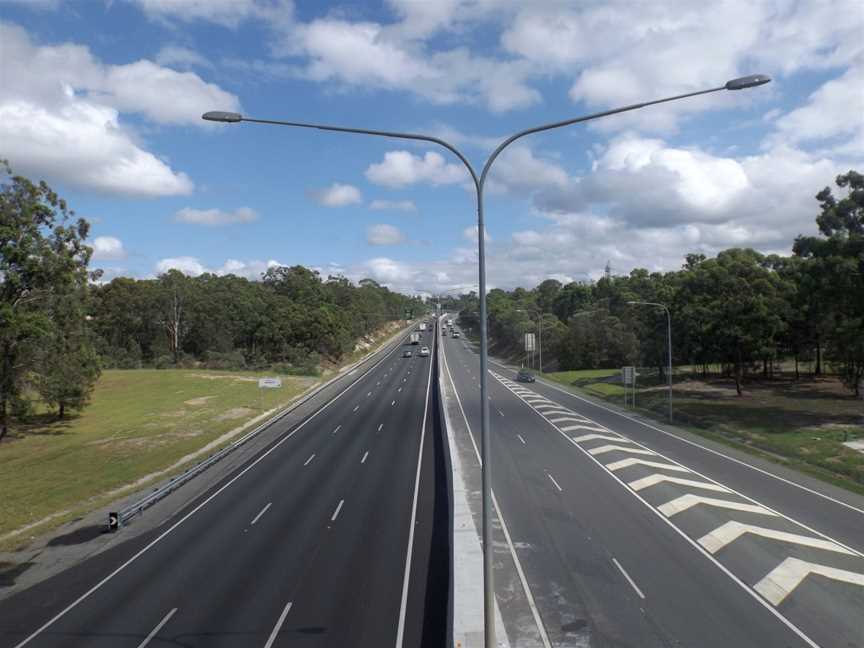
pixel 337 195
pixel 223 12
pixel 398 205
pixel 215 216
pixel 470 233
pixel 194 267
pixel 181 57
pixel 108 248
pixel 403 168
pixel 383 234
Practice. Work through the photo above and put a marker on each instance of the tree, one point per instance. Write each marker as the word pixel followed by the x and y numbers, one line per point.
pixel 42 255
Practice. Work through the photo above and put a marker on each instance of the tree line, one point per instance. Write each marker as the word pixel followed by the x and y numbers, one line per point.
pixel 741 310
pixel 60 325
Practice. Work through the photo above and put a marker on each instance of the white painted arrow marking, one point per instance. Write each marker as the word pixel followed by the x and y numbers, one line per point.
pixel 789 574
pixel 681 504
pixel 657 478
pixel 626 463
pixel 731 531
pixel 610 448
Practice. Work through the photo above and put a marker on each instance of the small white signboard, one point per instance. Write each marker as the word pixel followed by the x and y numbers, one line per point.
pixel 269 383
pixel 529 342
pixel 629 375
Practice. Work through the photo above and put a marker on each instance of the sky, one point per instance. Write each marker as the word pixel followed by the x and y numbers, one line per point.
pixel 103 99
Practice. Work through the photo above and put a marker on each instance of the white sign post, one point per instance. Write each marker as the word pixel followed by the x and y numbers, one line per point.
pixel 629 374
pixel 266 383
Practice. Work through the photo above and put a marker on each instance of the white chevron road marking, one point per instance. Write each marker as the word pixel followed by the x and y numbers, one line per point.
pixel 611 448
pixel 626 463
pixel 681 504
pixel 658 478
pixel 731 531
pixel 591 437
pixel 789 574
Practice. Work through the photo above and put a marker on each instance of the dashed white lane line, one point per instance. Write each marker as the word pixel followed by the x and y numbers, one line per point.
pixel 368 394
pixel 500 412
pixel 261 512
pixel 380 425
pixel 399 389
pixel 619 448
pixel 557 485
pixel 278 626
pixel 521 439
pixel 337 428
pixel 365 454
pixel 731 531
pixel 658 478
pixel 309 460
pixel 629 580
pixel 626 463
pixel 684 502
pixel 155 630
pixel 789 574
pixel 356 407
pixel 392 403
pixel 336 512
pixel 378 384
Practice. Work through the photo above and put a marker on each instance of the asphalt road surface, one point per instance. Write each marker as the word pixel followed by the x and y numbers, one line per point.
pixel 323 539
pixel 631 536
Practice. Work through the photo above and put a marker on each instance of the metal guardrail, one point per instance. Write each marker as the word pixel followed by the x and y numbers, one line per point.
pixel 117 519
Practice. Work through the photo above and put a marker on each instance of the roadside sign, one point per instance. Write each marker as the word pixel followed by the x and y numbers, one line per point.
pixel 529 342
pixel 113 521
pixel 269 383
pixel 629 374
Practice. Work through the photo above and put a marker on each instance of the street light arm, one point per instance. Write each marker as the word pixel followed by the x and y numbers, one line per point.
pixel 377 133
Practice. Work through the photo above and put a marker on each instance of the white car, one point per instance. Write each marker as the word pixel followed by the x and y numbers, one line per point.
pixel 424 352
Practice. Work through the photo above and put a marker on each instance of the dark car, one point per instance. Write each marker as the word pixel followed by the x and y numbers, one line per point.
pixel 524 376
pixel 406 354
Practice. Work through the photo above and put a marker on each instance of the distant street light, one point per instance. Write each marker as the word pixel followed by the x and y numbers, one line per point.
pixel 479 183
pixel 669 342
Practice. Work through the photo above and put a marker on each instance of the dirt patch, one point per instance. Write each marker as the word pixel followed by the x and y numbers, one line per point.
pixel 224 377
pixel 235 413
pixel 195 402
pixel 697 386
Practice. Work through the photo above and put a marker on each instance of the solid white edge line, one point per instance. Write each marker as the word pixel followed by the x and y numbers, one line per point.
pixel 336 512
pixel 153 632
pixel 629 580
pixel 262 512
pixel 278 625
pixel 309 460
pixel 153 542
pixel 795 629
pixel 700 446
pixel 406 578
pixel 532 604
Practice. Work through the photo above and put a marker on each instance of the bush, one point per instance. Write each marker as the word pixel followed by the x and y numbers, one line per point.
pixel 163 362
pixel 232 360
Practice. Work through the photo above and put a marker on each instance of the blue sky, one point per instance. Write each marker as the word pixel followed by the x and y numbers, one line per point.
pixel 103 100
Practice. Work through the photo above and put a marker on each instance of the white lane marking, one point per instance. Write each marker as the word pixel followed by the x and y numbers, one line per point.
pixel 378 384
pixel 557 485
pixel 581 426
pixel 399 389
pixel 155 630
pixel 657 478
pixel 549 406
pixel 368 394
pixel 532 604
pixel 626 463
pixel 403 607
pixel 500 412
pixel 789 574
pixel 356 407
pixel 404 380
pixel 393 403
pixel 792 627
pixel 612 448
pixel 521 439
pixel 731 531
pixel 336 512
pixel 278 626
pixel 380 425
pixel 684 502
pixel 585 423
pixel 351 373
pixel 365 454
pixel 158 538
pixel 629 580
pixel 591 437
pixel 309 460
pixel 262 512
pixel 707 449
pixel 337 428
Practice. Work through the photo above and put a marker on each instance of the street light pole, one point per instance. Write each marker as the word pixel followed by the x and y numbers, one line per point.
pixel 479 183
pixel 668 342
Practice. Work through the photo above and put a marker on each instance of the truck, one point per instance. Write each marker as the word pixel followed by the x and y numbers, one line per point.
pixel 415 338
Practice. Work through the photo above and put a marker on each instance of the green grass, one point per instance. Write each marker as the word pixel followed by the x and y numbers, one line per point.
pixel 139 422
pixel 799 424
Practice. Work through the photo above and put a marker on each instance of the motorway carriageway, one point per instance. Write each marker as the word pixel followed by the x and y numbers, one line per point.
pixel 629 536
pixel 323 539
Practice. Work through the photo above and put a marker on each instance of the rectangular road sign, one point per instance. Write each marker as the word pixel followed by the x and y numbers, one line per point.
pixel 529 342
pixel 629 374
pixel 269 383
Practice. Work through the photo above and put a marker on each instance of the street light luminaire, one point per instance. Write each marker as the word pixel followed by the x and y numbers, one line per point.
pixel 750 81
pixel 222 116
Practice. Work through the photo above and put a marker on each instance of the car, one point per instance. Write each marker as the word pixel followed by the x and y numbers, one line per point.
pixel 455 334
pixel 407 353
pixel 525 376
pixel 424 352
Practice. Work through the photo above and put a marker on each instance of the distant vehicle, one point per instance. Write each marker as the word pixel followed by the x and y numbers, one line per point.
pixel 407 353
pixel 525 376
pixel 455 334
pixel 450 322
pixel 422 326
pixel 415 338
pixel 424 351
